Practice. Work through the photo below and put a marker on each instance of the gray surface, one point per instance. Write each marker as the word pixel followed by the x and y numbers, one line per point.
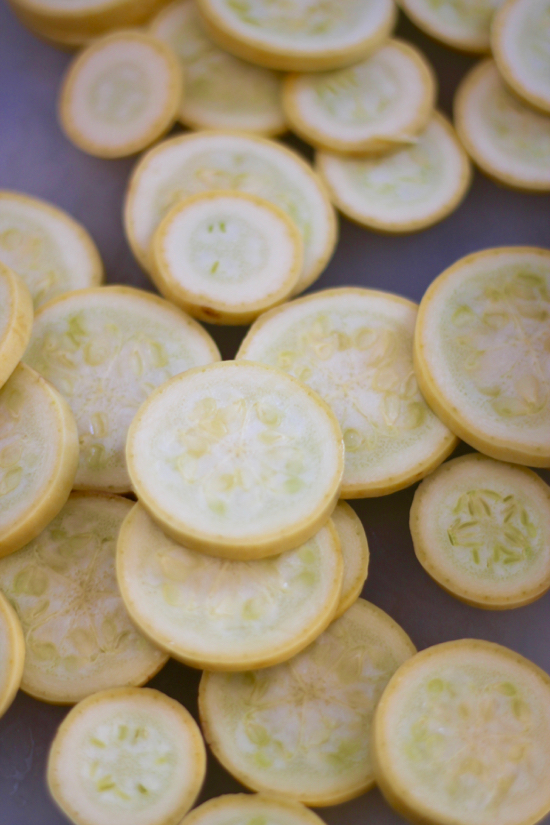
pixel 35 158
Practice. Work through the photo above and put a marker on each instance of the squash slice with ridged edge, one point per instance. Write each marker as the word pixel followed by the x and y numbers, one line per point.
pixel 355 552
pixel 105 350
pixel 12 654
pixel 51 251
pixel 481 352
pixel 63 586
pixel 519 38
pixel 38 457
pixel 237 460
pixel 353 346
pixel 120 94
pixel 221 91
pixel 301 729
pixel 406 190
pixel 481 529
pixel 507 139
pixel 299 35
pixel 16 318
pixel 218 614
pixel 128 755
pixel 185 166
pixel 460 737
pixel 251 809
pixel 462 24
pixel 374 106
pixel 226 257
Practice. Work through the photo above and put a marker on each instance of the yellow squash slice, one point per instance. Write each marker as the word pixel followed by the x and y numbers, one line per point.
pixel 63 586
pixel 481 529
pixel 105 350
pixel 251 809
pixel 355 552
pixel 236 459
pixel 16 317
pixel 301 729
pixel 130 756
pixel 481 352
pixel 461 734
pixel 12 654
pixel 461 24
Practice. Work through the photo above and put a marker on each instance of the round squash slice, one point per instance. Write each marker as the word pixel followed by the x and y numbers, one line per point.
pixel 251 809
pixel 301 729
pixel 520 41
pixel 221 91
pixel 481 352
pixel 353 346
pixel 189 165
pixel 460 737
pixel 63 586
pixel 481 529
pixel 120 94
pixel 236 459
pixel 105 350
pixel 405 191
pixel 505 137
pixel 226 257
pixel 38 457
pixel 374 106
pixel 16 317
pixel 218 614
pixel 461 24
pixel 299 35
pixel 355 552
pixel 127 755
pixel 46 247
pixel 12 654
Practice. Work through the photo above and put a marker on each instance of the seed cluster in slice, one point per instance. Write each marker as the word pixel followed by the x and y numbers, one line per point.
pixel 46 247
pixel 299 35
pixel 403 191
pixel 353 346
pixel 16 317
pixel 301 729
pixel 221 91
pixel 227 615
pixel 226 257
pixel 505 137
pixel 251 809
pixel 105 350
pixel 373 106
pixel 78 635
pixel 481 529
pixel 461 24
pixel 38 457
pixel 127 755
pixel 481 352
pixel 189 165
pixel 355 553
pixel 121 94
pixel 230 439
pixel 519 39
pixel 12 654
pixel 461 736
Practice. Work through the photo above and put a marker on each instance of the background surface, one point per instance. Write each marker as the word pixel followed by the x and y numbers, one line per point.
pixel 36 158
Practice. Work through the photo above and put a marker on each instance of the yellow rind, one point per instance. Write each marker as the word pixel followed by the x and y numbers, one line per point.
pixel 17 333
pixel 490 445
pixel 236 803
pixel 197 760
pixel 208 310
pixel 373 145
pixel 59 485
pixel 424 556
pixel 155 130
pixel 291 60
pixel 11 678
pixel 397 795
pixel 254 547
pixel 272 657
pixel 506 179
